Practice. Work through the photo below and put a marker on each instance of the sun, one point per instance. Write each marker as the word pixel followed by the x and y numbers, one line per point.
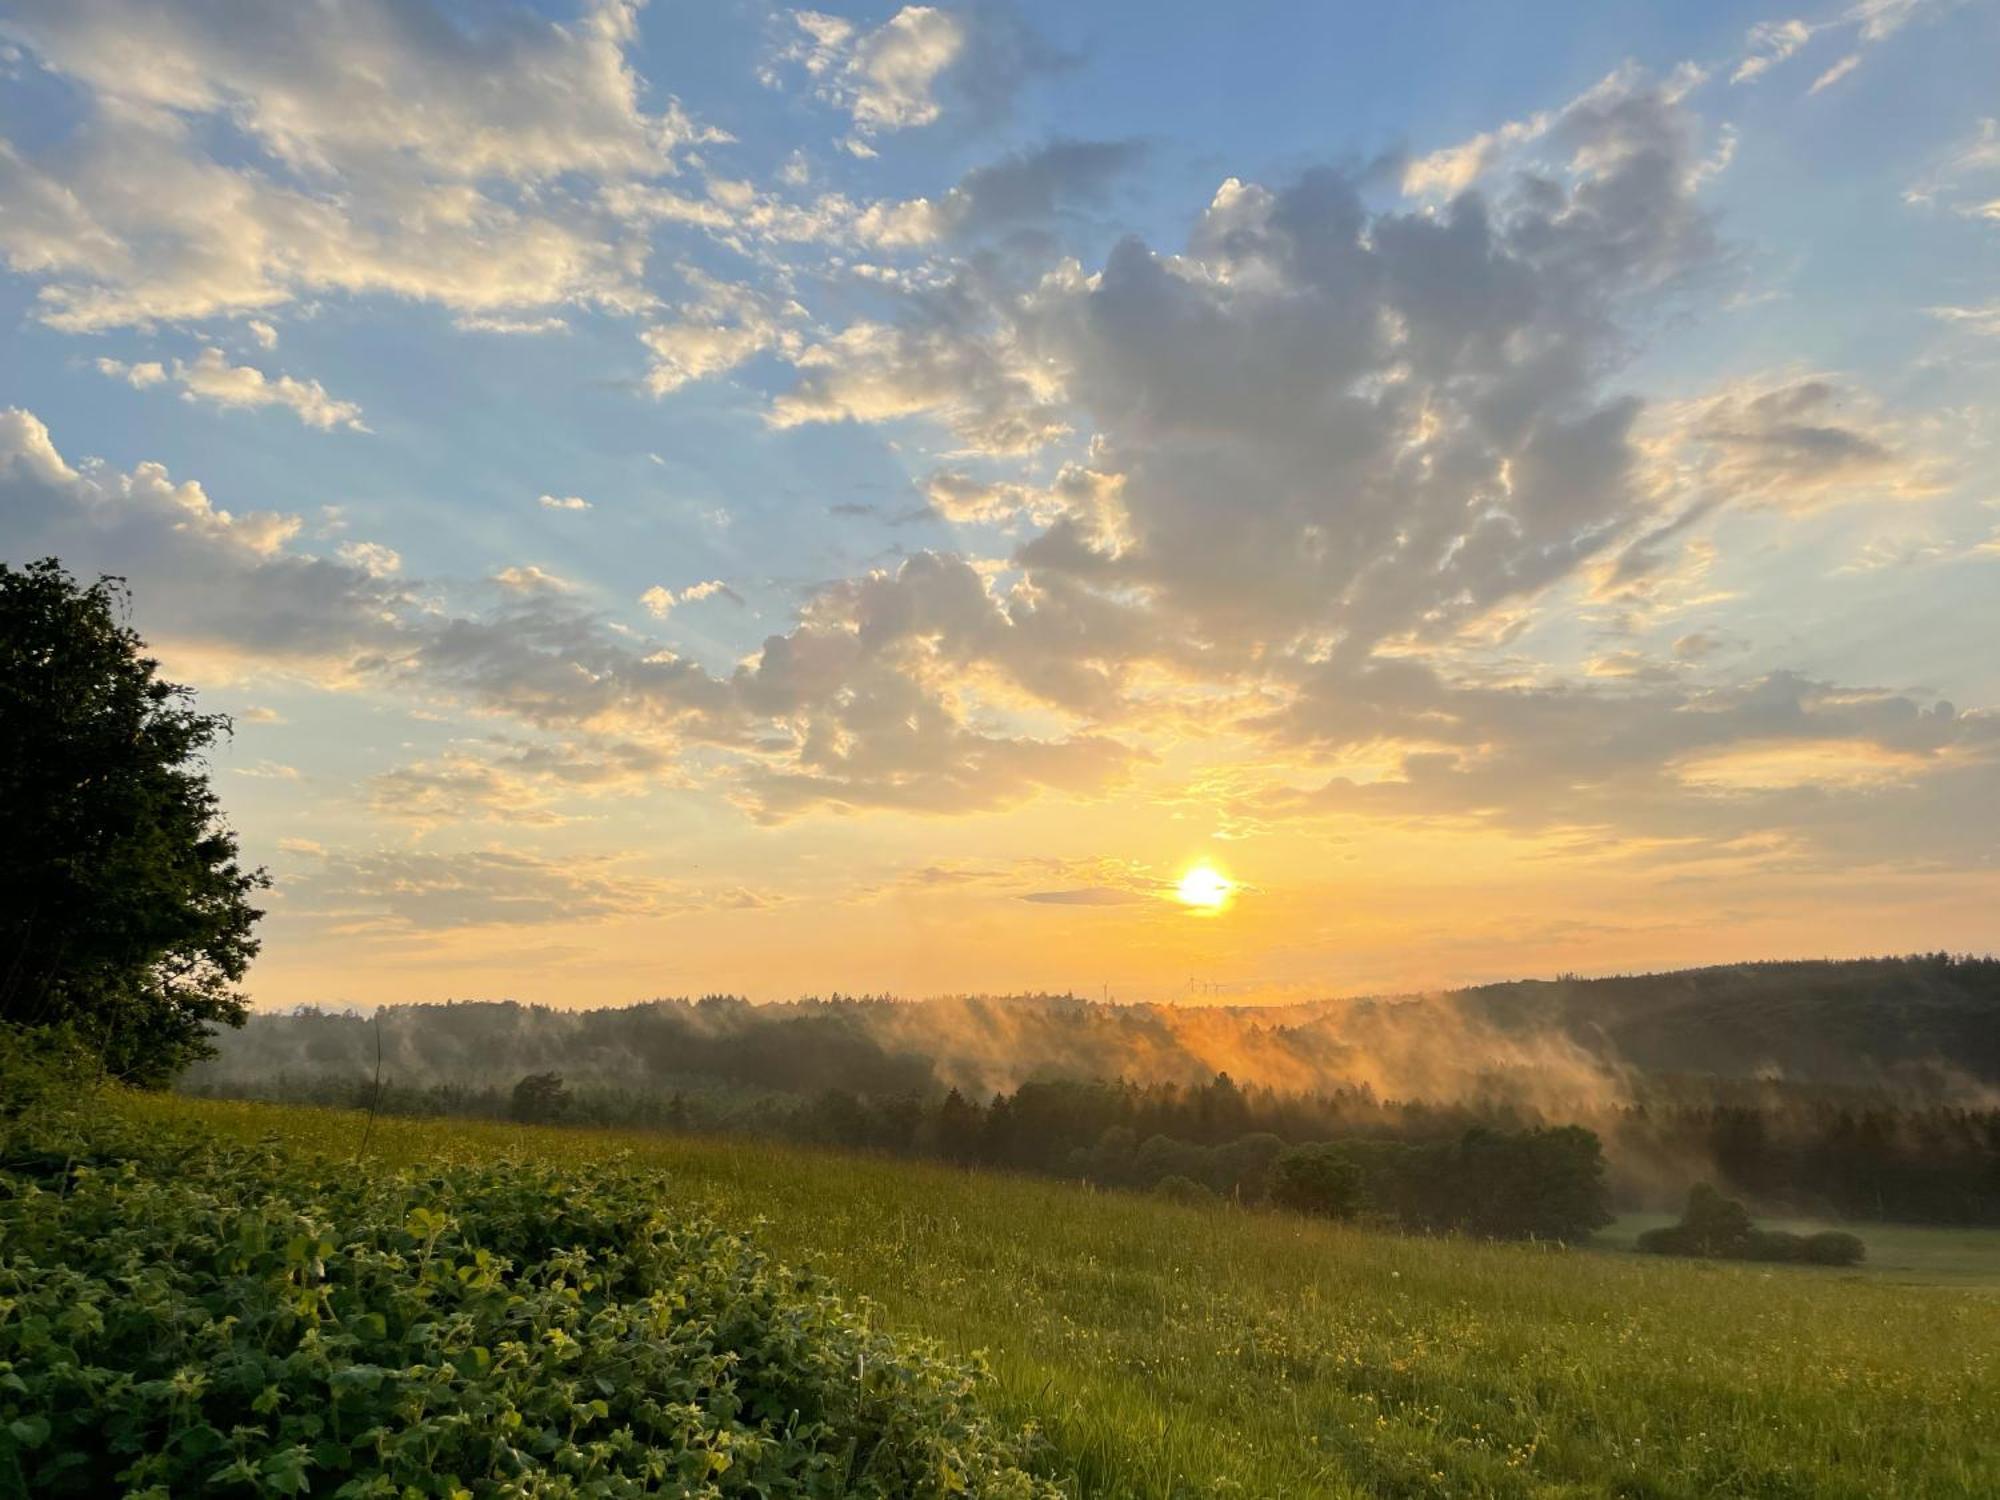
pixel 1204 888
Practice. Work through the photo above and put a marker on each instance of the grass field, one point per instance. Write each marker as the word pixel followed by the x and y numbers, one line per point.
pixel 1170 1351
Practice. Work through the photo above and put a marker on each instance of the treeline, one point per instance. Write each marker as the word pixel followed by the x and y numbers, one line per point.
pixel 1836 1153
pixel 1419 1168
pixel 1817 1153
pixel 1923 1029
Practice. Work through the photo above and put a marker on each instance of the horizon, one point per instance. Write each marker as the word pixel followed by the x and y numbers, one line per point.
pixel 1185 1001
pixel 1004 498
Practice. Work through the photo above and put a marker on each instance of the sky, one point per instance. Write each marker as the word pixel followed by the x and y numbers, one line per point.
pixel 714 497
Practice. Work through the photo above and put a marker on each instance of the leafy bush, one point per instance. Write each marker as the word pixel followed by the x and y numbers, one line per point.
pixel 178 1318
pixel 1711 1225
pixel 1720 1228
pixel 1835 1247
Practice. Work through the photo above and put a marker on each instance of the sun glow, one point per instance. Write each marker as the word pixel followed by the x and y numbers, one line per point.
pixel 1204 888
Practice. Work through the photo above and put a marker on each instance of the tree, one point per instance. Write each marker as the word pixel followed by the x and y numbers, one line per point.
pixel 1318 1179
pixel 124 913
pixel 539 1099
pixel 1710 1225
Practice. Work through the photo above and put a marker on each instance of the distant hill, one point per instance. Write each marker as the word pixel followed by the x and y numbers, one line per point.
pixel 1929 1023
pixel 1859 1021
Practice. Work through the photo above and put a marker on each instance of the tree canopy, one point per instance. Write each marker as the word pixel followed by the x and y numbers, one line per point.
pixel 125 914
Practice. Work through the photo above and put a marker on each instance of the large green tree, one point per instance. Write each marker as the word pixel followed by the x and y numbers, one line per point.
pixel 124 912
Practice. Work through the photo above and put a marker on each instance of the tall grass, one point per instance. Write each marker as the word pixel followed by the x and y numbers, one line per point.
pixel 1168 1351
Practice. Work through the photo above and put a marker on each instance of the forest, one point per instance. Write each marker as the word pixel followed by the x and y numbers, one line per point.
pixel 1502 1154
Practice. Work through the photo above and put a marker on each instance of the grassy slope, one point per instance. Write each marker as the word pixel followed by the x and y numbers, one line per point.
pixel 1177 1351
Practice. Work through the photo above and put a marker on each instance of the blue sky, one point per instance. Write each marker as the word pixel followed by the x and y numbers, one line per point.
pixel 736 496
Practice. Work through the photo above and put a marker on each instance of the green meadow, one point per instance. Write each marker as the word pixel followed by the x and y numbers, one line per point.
pixel 1169 1351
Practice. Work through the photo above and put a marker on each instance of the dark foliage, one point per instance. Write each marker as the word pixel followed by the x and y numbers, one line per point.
pixel 1322 1179
pixel 539 1099
pixel 1719 1228
pixel 124 914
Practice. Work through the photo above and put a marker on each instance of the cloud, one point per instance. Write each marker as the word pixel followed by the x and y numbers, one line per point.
pixel 980 381
pixel 395 149
pixel 722 324
pixel 1794 443
pixel 858 707
pixel 212 378
pixel 374 559
pixel 216 586
pixel 528 578
pixel 500 780
pixel 1984 321
pixel 1771 42
pixel 1027 188
pixel 139 376
pixel 388 893
pixel 1668 770
pixel 901 74
pixel 1094 895
pixel 661 602
pixel 482 323
pixel 1835 73
pixel 563 502
pixel 1450 170
pixel 1965 177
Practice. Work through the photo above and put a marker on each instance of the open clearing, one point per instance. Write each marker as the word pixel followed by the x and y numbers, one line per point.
pixel 1168 1351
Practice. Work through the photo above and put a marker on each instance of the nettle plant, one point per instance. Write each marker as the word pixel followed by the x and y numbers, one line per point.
pixel 180 1318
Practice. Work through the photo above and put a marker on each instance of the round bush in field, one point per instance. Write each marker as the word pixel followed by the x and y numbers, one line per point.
pixel 190 1320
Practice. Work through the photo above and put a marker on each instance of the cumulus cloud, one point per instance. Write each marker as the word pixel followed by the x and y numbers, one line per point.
pixel 858 707
pixel 218 586
pixel 721 325
pixel 212 378
pixel 398 150
pixel 529 578
pixel 954 365
pixel 564 502
pixel 374 559
pixel 661 602
pixel 139 376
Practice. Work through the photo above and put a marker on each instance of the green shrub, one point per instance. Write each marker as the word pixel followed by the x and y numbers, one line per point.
pixel 1835 1247
pixel 1719 1227
pixel 180 1319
